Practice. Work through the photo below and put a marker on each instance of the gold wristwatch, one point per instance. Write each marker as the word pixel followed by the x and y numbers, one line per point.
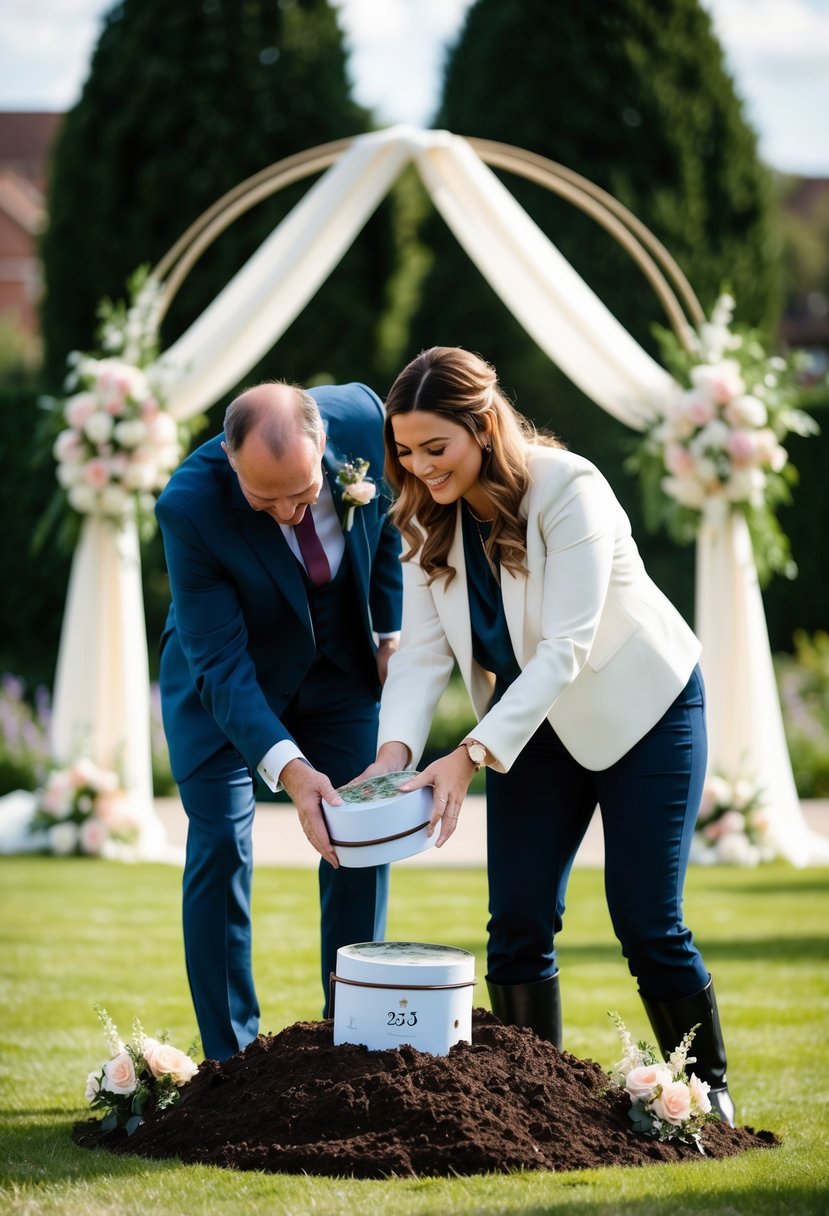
pixel 475 751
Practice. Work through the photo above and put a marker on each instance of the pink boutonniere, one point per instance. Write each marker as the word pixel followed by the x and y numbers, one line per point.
pixel 358 490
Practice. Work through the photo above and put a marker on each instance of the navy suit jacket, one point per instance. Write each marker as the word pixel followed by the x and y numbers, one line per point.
pixel 238 639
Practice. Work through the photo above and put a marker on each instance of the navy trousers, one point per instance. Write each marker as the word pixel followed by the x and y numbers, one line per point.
pixel 334 722
pixel 537 814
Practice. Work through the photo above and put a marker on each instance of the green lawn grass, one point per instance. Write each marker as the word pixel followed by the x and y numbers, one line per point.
pixel 78 932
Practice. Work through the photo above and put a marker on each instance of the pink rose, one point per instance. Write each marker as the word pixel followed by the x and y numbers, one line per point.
pixel 674 1103
pixel 678 460
pixel 699 409
pixel 163 1059
pixel 79 408
pixel 119 1075
pixel 743 447
pixel 93 835
pixel 96 473
pixel 361 492
pixel 642 1081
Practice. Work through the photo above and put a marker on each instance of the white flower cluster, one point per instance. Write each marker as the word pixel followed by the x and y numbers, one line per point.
pixel 733 826
pixel 119 442
pixel 719 437
pixel 83 809
pixel 665 1101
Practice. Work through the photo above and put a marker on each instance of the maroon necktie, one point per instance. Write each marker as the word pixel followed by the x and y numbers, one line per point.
pixel 310 546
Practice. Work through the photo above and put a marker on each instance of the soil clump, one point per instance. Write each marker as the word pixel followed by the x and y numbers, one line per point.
pixel 294 1103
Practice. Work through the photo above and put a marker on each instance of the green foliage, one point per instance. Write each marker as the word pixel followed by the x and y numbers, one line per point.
pixel 803 681
pixel 763 933
pixel 183 102
pixel 24 743
pixel 635 97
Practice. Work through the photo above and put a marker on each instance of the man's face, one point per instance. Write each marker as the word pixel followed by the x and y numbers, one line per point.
pixel 282 486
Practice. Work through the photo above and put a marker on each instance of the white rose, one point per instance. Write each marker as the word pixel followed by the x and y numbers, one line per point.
pixel 98 427
pixel 140 474
pixel 642 1081
pixel 130 432
pixel 674 1103
pixel 162 1059
pixel 163 429
pixel 115 501
pixel 82 498
pixel 93 1086
pixel 746 411
pixel 686 490
pixel 68 474
pixel 119 1075
pixel 63 838
pixel 699 1093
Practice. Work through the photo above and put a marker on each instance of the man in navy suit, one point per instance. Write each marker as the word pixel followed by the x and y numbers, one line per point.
pixel 285 608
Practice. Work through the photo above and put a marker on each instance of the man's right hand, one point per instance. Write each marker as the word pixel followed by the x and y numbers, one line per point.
pixel 306 788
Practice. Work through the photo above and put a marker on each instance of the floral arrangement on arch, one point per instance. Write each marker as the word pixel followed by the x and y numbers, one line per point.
pixel 83 810
pixel 117 442
pixel 142 1075
pixel 666 1102
pixel 720 439
pixel 733 826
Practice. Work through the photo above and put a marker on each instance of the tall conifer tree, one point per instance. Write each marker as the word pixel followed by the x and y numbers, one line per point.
pixel 183 102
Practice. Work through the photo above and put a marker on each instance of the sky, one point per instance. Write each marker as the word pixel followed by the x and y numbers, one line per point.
pixel 776 50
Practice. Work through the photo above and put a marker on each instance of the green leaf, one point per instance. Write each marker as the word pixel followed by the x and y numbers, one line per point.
pixel 133 1124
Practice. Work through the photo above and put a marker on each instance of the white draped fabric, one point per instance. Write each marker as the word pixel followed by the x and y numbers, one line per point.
pixel 568 322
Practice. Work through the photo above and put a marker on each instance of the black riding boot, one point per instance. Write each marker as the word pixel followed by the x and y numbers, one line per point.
pixel 671 1021
pixel 537 1005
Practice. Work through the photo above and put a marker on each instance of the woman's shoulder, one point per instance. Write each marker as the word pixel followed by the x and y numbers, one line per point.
pixel 557 465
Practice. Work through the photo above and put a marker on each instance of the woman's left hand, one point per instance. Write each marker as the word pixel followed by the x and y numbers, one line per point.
pixel 450 777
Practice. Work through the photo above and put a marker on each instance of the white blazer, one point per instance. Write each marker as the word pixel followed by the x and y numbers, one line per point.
pixel 602 651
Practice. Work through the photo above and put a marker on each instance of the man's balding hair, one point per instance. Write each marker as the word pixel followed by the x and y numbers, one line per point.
pixel 277 412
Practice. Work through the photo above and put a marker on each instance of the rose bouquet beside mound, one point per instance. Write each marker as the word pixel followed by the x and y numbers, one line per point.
pixel 142 1075
pixel 666 1102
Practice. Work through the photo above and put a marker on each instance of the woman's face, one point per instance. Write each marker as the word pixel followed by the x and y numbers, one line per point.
pixel 442 454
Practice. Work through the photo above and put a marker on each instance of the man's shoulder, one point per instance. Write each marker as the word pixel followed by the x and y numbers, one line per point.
pixel 198 477
pixel 346 402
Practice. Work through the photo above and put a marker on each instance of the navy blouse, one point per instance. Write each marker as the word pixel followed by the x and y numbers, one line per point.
pixel 491 643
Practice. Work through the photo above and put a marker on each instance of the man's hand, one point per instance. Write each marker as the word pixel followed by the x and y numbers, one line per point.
pixel 306 788
pixel 384 652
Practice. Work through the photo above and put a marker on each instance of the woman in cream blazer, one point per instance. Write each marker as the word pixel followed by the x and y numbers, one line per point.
pixel 521 568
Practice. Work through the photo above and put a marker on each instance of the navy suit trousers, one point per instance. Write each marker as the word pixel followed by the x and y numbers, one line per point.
pixel 537 814
pixel 334 722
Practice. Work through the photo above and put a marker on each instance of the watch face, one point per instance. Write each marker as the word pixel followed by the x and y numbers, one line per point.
pixel 477 753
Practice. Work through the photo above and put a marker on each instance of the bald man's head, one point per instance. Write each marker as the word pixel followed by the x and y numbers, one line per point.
pixel 276 413
pixel 274 441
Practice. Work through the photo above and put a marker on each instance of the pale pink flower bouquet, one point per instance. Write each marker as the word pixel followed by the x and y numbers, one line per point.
pixel 666 1102
pixel 83 809
pixel 142 1075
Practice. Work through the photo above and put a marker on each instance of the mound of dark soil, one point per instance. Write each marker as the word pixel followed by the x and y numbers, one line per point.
pixel 295 1103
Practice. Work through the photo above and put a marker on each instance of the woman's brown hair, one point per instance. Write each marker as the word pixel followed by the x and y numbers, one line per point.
pixel 463 388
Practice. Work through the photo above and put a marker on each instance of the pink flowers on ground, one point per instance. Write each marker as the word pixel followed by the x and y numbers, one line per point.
pixel 665 1101
pixel 143 1074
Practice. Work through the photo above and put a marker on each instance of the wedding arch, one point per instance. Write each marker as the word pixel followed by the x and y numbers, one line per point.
pixel 101 699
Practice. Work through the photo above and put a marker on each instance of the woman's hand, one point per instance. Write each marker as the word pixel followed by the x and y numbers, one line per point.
pixel 391 758
pixel 450 777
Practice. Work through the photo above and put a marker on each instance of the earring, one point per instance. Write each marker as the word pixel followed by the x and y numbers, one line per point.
pixel 487 447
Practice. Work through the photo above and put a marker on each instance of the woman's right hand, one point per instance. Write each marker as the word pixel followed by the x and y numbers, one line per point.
pixel 391 758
